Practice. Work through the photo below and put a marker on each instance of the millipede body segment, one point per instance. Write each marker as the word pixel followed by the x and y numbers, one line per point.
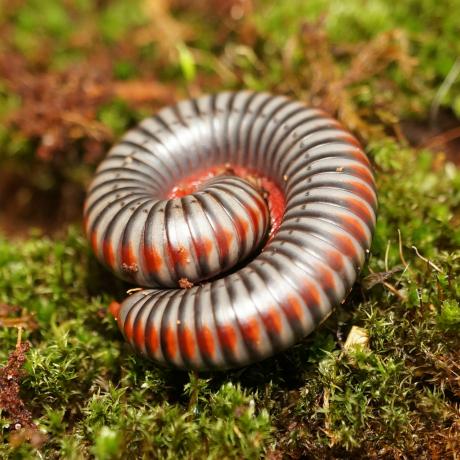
pixel 225 290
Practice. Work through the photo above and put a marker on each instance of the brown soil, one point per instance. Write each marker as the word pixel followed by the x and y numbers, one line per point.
pixel 24 206
pixel 440 135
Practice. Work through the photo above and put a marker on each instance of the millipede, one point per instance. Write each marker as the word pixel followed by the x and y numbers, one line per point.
pixel 246 216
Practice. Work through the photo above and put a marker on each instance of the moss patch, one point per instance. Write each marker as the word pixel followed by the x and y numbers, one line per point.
pixel 88 395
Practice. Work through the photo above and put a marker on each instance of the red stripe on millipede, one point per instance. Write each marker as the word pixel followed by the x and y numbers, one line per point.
pixel 363 190
pixel 94 241
pixel 346 245
pixel 250 330
pixel 127 255
pixel 326 278
pixel 359 208
pixel 206 341
pixel 355 227
pixel 335 260
pixel 311 295
pixel 363 173
pixel 152 340
pixel 293 308
pixel 170 341
pixel 187 342
pixel 244 227
pixel 227 336
pixel 138 335
pixel 153 259
pixel 222 242
pixel 178 255
pixel 254 219
pixel 109 254
pixel 272 320
pixel 203 247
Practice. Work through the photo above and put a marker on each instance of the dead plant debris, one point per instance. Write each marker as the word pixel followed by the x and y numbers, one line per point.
pixel 10 380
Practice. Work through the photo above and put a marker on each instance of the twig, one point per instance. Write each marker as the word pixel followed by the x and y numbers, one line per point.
pixel 402 274
pixel 394 291
pixel 442 138
pixel 18 341
pixel 387 251
pixel 401 255
pixel 431 264
pixel 390 287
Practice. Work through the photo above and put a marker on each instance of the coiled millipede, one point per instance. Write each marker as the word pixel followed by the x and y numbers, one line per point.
pixel 248 214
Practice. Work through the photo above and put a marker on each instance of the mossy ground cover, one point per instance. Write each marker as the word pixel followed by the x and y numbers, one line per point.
pixel 73 77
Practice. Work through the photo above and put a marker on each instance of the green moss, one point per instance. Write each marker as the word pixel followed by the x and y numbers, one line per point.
pixel 395 398
pixel 116 115
pixel 118 18
pixel 92 396
pixel 86 387
pixel 449 316
pixel 429 26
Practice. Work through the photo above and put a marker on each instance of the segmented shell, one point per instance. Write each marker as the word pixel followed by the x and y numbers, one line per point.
pixel 282 294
